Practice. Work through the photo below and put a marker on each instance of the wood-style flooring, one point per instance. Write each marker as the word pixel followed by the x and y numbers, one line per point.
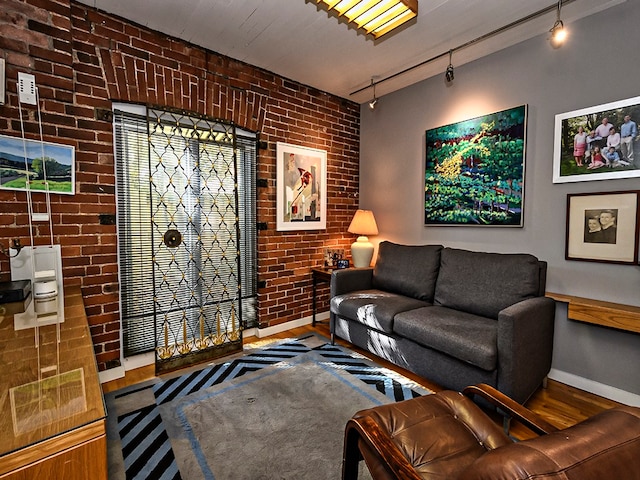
pixel 559 404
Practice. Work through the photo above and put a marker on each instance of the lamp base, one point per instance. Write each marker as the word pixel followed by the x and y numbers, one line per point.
pixel 362 252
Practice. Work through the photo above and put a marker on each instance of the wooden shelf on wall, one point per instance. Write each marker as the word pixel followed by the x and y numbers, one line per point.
pixel 607 314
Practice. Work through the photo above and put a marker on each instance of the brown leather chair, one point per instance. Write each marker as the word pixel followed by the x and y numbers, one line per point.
pixel 447 436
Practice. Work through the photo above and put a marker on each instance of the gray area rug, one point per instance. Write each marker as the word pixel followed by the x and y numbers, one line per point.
pixel 277 412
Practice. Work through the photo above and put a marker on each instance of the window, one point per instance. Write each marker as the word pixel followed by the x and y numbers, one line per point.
pixel 193 179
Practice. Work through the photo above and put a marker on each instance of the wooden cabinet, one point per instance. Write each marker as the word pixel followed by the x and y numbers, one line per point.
pixel 52 414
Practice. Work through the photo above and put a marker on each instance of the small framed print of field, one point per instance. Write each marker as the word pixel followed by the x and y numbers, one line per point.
pixel 45 163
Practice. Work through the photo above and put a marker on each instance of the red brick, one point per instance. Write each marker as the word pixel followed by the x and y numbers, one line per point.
pixel 100 59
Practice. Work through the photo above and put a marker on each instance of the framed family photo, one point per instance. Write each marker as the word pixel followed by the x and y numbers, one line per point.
pixel 474 171
pixel 603 227
pixel 597 143
pixel 301 184
pixel 50 162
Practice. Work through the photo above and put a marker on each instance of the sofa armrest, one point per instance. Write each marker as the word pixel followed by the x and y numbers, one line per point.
pixel 525 346
pixel 351 280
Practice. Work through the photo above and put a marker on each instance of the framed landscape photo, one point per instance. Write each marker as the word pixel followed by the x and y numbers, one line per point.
pixel 474 171
pixel 301 184
pixel 57 160
pixel 597 143
pixel 603 227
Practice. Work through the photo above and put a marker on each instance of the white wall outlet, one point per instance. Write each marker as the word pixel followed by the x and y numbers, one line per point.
pixel 26 88
pixel 2 81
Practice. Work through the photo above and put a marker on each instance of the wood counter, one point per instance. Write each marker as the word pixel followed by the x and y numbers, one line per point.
pixel 52 425
pixel 607 314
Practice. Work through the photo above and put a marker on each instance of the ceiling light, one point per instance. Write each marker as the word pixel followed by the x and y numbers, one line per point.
pixel 375 17
pixel 449 73
pixel 558 33
pixel 372 103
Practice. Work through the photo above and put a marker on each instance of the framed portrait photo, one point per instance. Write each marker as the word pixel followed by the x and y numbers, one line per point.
pixel 597 143
pixel 603 227
pixel 301 184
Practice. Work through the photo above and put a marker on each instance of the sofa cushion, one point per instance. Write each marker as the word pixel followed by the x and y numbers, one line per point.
pixel 373 308
pixel 409 270
pixel 485 283
pixel 464 336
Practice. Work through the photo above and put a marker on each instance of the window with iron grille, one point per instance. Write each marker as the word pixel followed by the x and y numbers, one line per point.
pixel 187 241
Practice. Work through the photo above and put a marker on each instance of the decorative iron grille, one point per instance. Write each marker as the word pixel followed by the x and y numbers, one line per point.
pixel 180 272
pixel 195 238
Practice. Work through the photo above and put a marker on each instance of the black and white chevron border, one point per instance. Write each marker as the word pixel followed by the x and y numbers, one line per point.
pixel 145 445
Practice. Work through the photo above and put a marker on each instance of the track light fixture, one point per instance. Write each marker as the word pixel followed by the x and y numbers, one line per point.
pixel 374 102
pixel 558 33
pixel 449 73
pixel 521 21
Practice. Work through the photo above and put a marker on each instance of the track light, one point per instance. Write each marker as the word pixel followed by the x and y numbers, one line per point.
pixel 449 73
pixel 558 33
pixel 374 102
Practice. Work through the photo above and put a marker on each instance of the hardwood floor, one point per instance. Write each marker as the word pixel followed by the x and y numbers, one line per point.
pixel 559 404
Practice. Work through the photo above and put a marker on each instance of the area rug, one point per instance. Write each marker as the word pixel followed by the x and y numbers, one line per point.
pixel 277 412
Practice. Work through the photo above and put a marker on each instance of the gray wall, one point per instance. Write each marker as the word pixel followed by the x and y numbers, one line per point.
pixel 599 64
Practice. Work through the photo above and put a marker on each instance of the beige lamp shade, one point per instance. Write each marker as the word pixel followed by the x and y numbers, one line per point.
pixel 363 224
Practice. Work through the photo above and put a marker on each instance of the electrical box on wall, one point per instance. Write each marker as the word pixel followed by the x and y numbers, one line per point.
pixel 2 80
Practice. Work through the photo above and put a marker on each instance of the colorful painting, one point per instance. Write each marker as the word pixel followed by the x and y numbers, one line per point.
pixel 45 163
pixel 597 143
pixel 301 188
pixel 474 173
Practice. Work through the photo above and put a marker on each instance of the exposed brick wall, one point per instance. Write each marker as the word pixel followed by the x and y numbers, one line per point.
pixel 83 60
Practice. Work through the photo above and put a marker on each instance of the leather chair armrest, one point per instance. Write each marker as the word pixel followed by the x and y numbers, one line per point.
pixel 512 408
pixel 365 439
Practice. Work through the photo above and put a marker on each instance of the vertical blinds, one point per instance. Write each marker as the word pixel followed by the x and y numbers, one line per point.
pixel 133 139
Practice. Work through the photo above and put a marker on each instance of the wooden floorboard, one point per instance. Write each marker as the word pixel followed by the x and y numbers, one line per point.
pixel 559 404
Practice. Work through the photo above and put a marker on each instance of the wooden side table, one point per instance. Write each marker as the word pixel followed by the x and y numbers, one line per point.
pixel 318 275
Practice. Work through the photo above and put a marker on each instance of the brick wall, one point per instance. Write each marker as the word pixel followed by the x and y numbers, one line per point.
pixel 83 60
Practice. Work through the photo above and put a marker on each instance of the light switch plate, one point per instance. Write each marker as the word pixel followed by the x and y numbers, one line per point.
pixel 2 81
pixel 26 88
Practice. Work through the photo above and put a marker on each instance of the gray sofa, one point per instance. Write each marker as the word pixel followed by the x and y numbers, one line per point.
pixel 453 316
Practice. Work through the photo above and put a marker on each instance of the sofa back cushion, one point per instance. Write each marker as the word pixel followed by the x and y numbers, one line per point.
pixel 485 283
pixel 409 270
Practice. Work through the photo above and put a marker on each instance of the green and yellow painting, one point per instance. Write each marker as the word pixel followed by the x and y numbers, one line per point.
pixel 474 172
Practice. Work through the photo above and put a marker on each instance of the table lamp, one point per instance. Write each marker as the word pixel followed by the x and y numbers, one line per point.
pixel 363 224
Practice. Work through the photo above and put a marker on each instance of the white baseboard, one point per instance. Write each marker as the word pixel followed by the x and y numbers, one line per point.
pixel 283 327
pixel 597 388
pixel 111 374
pixel 145 359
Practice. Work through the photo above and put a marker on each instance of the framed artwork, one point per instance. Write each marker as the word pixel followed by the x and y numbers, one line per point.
pixel 332 256
pixel 301 184
pixel 603 227
pixel 57 160
pixel 474 171
pixel 597 143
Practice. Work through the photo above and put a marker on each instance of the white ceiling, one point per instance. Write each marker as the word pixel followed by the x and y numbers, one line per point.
pixel 297 40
